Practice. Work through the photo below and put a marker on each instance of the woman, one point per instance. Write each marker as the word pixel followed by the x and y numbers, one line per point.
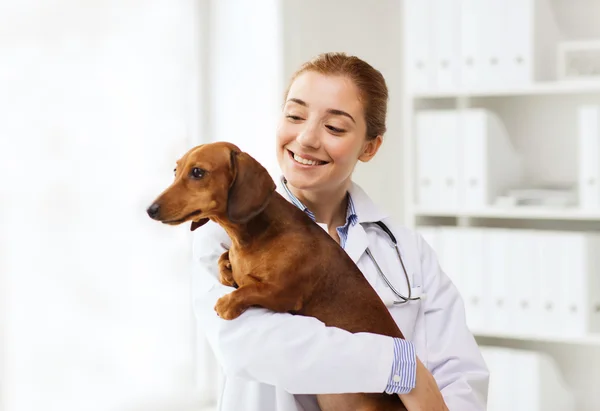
pixel 333 117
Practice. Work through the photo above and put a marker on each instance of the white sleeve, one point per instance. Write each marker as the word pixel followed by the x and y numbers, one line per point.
pixel 454 357
pixel 299 354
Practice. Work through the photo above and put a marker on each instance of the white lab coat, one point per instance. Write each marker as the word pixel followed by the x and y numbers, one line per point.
pixel 276 362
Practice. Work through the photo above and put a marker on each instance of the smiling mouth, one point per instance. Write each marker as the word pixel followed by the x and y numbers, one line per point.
pixel 183 219
pixel 305 161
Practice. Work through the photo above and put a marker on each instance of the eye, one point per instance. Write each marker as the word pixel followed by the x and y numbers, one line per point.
pixel 335 129
pixel 294 118
pixel 175 171
pixel 197 173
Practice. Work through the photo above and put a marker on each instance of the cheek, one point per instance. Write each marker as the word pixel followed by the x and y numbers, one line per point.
pixel 285 133
pixel 343 151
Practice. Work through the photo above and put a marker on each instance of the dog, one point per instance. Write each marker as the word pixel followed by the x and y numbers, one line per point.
pixel 271 238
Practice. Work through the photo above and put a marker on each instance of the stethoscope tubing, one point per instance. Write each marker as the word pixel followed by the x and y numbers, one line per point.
pixel 402 299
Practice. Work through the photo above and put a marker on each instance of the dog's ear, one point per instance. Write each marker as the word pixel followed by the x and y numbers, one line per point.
pixel 250 190
pixel 199 223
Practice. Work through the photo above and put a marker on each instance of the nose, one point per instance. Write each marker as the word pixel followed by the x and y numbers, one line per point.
pixel 153 211
pixel 309 137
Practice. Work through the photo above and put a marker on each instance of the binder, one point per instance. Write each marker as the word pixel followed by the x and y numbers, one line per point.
pixel 472 243
pixel 446 39
pixel 537 383
pixel 465 159
pixel 472 44
pixel 518 53
pixel 550 260
pixel 490 162
pixel 578 291
pixel 588 121
pixel 437 146
pixel 499 297
pixel 448 142
pixel 523 380
pixel 419 46
pixel 523 277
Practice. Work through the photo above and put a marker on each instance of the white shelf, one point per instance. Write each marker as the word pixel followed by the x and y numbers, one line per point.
pixel 522 213
pixel 592 340
pixel 549 88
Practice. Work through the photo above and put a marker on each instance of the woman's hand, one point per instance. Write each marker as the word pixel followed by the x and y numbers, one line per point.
pixel 426 395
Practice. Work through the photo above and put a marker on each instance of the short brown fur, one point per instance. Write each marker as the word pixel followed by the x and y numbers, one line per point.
pixel 279 258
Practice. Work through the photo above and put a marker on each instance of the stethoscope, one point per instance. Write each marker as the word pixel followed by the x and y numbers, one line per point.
pixel 401 298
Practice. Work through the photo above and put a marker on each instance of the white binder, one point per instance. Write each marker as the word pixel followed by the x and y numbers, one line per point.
pixel 522 380
pixel 578 291
pixel 550 259
pixel 448 142
pixel 499 298
pixel 490 162
pixel 518 52
pixel 472 243
pixel 437 159
pixel 493 35
pixel 446 39
pixel 523 277
pixel 589 156
pixel 472 44
pixel 420 62
pixel 536 383
pixel 465 159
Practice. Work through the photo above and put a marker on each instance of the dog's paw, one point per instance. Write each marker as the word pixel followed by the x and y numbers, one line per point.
pixel 226 310
pixel 226 278
pixel 225 272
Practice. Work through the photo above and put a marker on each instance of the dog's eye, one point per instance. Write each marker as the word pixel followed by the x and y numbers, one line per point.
pixel 197 173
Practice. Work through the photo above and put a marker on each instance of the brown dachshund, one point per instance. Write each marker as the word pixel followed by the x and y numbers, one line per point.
pixel 279 259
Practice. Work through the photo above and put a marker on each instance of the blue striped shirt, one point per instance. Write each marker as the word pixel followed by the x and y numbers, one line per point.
pixel 403 375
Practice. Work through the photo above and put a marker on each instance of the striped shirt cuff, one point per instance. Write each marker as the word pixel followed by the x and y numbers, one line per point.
pixel 404 369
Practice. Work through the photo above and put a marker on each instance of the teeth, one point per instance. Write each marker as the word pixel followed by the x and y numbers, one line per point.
pixel 305 161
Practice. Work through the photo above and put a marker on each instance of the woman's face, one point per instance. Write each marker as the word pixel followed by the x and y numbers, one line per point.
pixel 322 132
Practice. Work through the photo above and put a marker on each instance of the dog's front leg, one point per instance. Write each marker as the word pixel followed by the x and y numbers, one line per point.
pixel 232 305
pixel 225 271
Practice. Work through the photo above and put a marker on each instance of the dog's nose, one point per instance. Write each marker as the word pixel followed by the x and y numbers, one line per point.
pixel 153 211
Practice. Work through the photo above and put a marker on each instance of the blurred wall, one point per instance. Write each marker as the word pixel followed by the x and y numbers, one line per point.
pixel 372 31
pixel 244 80
pixel 98 99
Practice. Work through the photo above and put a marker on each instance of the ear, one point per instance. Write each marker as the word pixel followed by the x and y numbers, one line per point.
pixel 370 148
pixel 250 190
pixel 199 223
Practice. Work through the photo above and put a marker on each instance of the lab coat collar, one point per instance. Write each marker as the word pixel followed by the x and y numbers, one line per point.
pixel 365 208
pixel 366 211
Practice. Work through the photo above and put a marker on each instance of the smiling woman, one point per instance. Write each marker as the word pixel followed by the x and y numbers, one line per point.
pixel 332 103
pixel 333 117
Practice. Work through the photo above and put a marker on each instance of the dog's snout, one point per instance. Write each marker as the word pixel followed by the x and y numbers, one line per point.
pixel 153 211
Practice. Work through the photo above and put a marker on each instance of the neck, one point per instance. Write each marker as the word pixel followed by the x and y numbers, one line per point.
pixel 243 233
pixel 328 206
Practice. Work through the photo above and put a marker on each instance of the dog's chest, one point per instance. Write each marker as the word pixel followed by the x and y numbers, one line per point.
pixel 245 266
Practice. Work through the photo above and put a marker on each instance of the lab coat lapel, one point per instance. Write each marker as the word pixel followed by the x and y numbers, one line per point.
pixel 357 242
pixel 367 212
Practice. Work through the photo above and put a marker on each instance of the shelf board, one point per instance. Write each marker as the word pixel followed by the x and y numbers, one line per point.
pixel 548 88
pixel 592 339
pixel 522 213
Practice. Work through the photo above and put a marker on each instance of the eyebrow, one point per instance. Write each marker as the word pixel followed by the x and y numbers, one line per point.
pixel 330 110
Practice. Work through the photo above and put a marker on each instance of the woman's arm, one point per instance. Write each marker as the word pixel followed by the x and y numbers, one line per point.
pixel 454 358
pixel 298 353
